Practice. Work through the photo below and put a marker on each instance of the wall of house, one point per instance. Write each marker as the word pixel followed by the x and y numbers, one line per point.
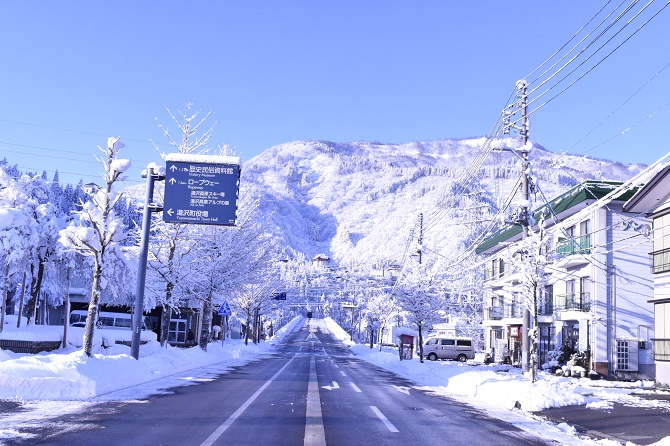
pixel 662 326
pixel 601 347
pixel 633 285
pixel 619 307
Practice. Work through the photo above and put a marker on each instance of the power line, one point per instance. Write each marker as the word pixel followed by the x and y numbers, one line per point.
pixel 68 130
pixel 539 107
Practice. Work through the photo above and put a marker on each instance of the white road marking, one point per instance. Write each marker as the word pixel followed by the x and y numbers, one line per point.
pixel 355 387
pixel 334 386
pixel 226 424
pixel 313 337
pixel 401 389
pixel 314 432
pixel 385 420
pixel 343 374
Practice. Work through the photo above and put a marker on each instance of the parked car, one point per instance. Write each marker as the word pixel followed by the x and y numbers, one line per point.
pixel 106 319
pixel 460 349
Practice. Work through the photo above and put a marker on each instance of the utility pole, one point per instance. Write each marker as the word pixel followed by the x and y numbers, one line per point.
pixel 522 94
pixel 524 209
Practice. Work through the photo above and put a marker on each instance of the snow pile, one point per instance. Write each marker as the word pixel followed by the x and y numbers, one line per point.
pixel 337 331
pixel 502 385
pixel 102 337
pixel 69 374
pixel 295 325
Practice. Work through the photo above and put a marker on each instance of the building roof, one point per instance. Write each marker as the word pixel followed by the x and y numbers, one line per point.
pixel 656 192
pixel 573 200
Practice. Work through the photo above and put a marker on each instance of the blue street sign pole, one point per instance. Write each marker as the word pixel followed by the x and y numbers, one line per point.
pixel 142 269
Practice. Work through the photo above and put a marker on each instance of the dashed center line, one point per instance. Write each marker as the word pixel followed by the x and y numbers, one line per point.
pixel 355 387
pixel 385 420
pixel 343 374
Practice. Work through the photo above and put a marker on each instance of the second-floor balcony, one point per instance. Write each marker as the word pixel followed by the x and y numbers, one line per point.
pixel 572 302
pixel 575 245
pixel 498 312
pixel 494 313
pixel 505 311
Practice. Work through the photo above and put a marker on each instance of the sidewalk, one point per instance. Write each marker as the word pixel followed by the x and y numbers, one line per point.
pixel 639 424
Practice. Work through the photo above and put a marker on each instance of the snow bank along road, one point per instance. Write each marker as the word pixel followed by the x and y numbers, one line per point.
pixel 310 392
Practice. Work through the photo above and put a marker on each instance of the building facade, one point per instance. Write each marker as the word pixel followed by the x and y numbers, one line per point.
pixel 654 200
pixel 597 285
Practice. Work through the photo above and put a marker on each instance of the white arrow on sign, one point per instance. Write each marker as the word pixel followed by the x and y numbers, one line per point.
pixel 170 212
pixel 334 386
pixel 172 180
pixel 173 167
pixel 402 389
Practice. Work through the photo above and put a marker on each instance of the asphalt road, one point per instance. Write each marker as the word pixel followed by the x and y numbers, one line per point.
pixel 311 392
pixel 623 423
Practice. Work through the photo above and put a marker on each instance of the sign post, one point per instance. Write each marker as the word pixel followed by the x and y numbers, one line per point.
pixel 225 311
pixel 201 189
pixel 152 176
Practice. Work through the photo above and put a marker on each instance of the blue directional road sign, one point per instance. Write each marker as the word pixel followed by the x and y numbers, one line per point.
pixel 201 193
pixel 225 309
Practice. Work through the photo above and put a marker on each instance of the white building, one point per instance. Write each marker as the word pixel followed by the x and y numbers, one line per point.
pixel 654 200
pixel 599 284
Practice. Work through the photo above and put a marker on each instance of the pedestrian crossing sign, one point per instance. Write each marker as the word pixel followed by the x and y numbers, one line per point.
pixel 225 309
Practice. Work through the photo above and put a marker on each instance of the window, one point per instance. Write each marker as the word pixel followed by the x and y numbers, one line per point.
pixel 546 306
pixel 104 321
pixel 660 258
pixel 661 349
pixel 447 342
pixel 431 342
pixel 122 322
pixel 464 342
pixel 570 334
pixel 585 228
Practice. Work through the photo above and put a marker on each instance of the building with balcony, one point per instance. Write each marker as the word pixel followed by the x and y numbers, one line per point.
pixel 598 284
pixel 654 200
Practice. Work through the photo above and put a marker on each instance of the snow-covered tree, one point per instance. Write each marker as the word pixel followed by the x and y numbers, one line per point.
pixel 249 299
pixel 381 307
pixel 96 232
pixel 529 260
pixel 17 229
pixel 171 246
pixel 226 257
pixel 168 269
pixel 191 141
pixel 42 223
pixel 418 298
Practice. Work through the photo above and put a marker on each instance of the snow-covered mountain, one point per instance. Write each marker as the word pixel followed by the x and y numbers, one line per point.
pixel 359 201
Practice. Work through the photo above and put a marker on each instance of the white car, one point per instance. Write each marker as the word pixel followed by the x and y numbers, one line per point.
pixel 460 349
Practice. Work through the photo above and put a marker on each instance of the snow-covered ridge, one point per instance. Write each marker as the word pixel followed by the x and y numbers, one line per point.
pixel 359 200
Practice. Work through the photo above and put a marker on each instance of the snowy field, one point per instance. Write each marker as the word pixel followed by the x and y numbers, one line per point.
pixel 52 384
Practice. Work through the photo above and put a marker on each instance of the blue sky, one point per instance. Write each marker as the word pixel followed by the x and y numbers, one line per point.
pixel 277 71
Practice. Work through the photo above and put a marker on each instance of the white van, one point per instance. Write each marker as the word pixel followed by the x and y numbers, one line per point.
pixel 460 349
pixel 106 319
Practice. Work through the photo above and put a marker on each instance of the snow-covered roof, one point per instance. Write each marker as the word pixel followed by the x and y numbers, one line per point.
pixel 655 193
pixel 571 201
